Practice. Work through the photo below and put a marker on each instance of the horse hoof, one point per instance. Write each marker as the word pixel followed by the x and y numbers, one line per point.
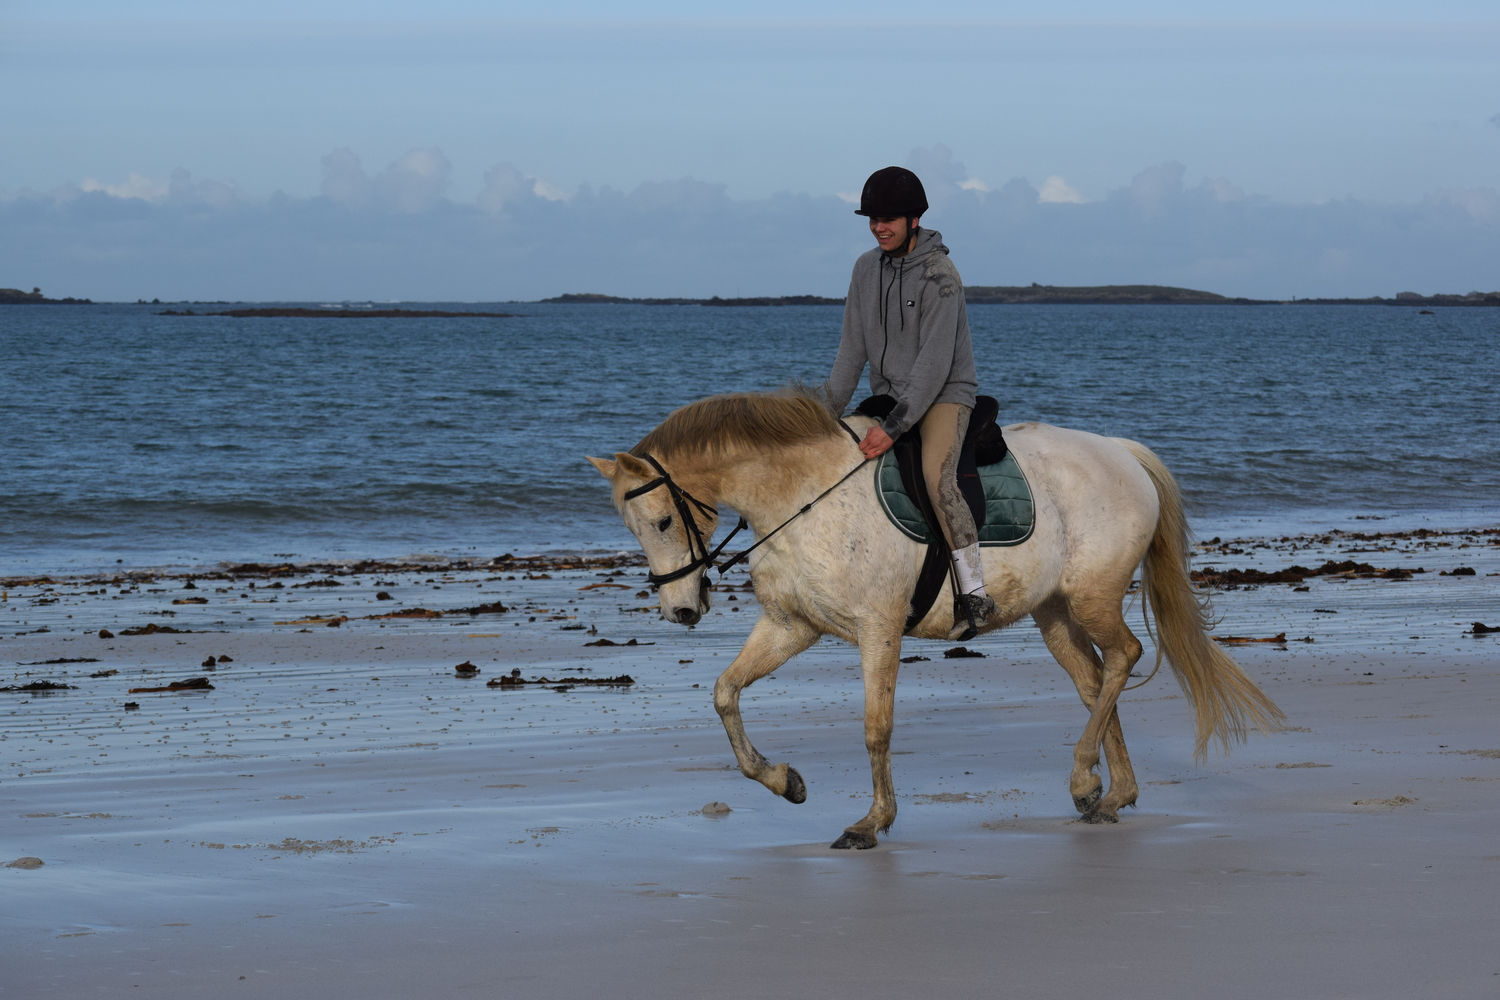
pixel 796 788
pixel 851 840
pixel 1096 817
pixel 1085 803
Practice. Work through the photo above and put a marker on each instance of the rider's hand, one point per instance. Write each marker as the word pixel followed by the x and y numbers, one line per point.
pixel 876 443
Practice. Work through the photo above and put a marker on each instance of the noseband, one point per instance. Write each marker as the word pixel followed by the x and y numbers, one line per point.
pixel 684 502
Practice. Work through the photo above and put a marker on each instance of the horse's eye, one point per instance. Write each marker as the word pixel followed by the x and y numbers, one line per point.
pixel 664 523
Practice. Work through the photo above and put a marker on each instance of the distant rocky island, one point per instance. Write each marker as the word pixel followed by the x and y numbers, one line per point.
pixel 1053 295
pixel 1166 295
pixel 16 297
pixel 1412 299
pixel 296 312
pixel 587 298
pixel 1111 295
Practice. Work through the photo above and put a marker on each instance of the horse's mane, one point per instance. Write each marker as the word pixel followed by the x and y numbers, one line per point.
pixel 742 419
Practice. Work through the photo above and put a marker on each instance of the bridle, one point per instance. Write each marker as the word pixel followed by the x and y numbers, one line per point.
pixel 697 545
pixel 684 502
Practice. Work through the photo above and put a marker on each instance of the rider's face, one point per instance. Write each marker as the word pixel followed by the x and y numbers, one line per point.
pixel 893 234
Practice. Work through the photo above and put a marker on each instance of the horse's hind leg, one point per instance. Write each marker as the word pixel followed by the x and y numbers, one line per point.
pixel 1121 650
pixel 1072 648
pixel 771 643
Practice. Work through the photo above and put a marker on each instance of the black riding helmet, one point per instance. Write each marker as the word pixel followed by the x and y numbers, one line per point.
pixel 892 193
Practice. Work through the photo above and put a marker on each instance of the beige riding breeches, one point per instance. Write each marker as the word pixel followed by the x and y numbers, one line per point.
pixel 942 430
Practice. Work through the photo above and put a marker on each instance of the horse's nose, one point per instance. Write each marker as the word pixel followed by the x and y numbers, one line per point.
pixel 686 616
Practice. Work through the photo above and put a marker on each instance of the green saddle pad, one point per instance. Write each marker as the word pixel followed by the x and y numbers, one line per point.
pixel 1009 515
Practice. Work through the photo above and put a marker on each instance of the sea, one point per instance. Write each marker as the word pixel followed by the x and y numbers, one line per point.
pixel 134 439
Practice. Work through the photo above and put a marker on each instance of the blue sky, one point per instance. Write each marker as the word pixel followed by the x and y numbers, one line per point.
pixel 484 151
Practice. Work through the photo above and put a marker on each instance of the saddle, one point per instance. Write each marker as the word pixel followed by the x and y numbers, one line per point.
pixel 989 480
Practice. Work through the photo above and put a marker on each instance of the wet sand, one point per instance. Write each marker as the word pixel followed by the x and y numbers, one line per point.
pixel 342 814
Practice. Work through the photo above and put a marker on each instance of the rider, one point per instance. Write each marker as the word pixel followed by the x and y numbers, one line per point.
pixel 913 331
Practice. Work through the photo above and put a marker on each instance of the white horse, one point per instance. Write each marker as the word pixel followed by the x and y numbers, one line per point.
pixel 1103 507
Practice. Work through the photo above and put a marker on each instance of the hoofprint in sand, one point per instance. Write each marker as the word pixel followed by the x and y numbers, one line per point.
pixel 338 809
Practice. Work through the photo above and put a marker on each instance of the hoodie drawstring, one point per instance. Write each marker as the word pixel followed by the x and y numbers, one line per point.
pixel 885 308
pixel 900 285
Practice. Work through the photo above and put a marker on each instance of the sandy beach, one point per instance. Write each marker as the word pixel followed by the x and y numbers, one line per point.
pixel 336 810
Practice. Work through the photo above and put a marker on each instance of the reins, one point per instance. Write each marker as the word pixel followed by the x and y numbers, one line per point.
pixel 681 498
pixel 770 534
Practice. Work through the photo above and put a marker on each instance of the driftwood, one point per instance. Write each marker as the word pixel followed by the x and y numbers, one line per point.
pixel 1279 639
pixel 514 680
pixel 191 684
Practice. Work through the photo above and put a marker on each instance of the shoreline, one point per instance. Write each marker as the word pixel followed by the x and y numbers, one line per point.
pixel 1259 547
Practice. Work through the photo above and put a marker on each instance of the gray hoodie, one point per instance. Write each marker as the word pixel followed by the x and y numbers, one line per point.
pixel 905 317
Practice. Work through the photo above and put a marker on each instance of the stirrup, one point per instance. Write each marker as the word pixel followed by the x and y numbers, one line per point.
pixel 974 609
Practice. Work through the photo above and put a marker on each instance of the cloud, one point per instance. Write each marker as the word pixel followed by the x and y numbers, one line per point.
pixel 1221 190
pixel 681 196
pixel 344 180
pixel 1154 188
pixel 542 189
pixel 942 175
pixel 179 189
pixel 398 233
pixel 1056 191
pixel 413 183
pixel 182 189
pixel 503 183
pixel 1480 204
pixel 135 186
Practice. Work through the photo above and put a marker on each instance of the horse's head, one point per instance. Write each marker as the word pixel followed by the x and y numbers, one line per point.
pixel 673 528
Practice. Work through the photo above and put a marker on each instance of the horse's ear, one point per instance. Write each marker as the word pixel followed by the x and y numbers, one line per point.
pixel 605 466
pixel 626 462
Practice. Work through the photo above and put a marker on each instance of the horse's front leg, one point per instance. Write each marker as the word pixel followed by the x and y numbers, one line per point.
pixel 773 641
pixel 880 659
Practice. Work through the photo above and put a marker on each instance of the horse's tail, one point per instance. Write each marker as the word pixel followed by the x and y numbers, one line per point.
pixel 1226 701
